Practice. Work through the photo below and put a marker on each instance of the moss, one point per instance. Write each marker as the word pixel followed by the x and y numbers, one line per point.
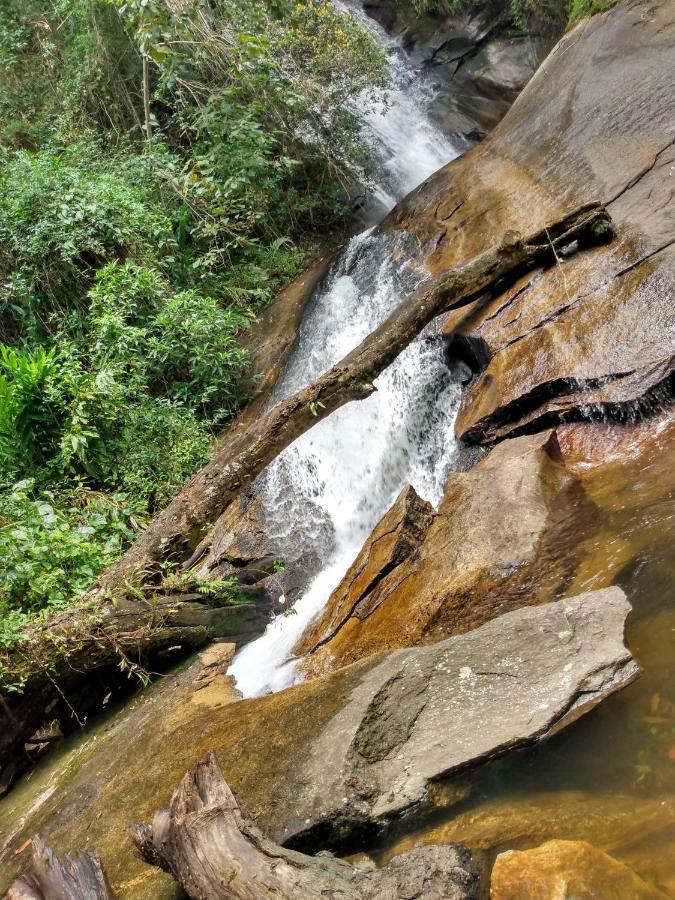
pixel 579 9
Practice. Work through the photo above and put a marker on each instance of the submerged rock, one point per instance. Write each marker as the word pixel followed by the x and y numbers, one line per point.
pixel 566 870
pixel 594 332
pixel 316 762
pixel 505 536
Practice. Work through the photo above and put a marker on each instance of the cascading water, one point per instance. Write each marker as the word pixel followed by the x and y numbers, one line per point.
pixel 336 481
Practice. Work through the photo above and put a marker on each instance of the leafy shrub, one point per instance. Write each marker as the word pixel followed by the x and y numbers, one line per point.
pixel 53 550
pixel 65 66
pixel 581 8
pixel 61 218
pixel 129 265
pixel 158 448
pixel 182 347
pixel 27 416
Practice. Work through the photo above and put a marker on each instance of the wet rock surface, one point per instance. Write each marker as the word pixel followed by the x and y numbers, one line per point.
pixel 394 540
pixel 595 331
pixel 318 760
pixel 566 870
pixel 476 60
pixel 501 539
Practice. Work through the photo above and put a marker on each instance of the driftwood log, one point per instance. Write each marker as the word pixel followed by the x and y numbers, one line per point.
pixel 76 876
pixel 124 609
pixel 212 849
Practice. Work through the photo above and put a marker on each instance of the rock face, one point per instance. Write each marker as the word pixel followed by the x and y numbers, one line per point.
pixel 597 330
pixel 240 547
pixel 503 537
pixel 477 61
pixel 566 870
pixel 352 749
pixel 393 542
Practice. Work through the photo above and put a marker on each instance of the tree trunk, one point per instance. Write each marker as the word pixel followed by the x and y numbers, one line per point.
pixel 179 528
pixel 146 98
pixel 65 649
pixel 77 876
pixel 115 641
pixel 215 852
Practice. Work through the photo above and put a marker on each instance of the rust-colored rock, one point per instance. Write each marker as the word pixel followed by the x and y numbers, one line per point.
pixel 393 542
pixel 597 329
pixel 566 870
pixel 504 537
pixel 318 757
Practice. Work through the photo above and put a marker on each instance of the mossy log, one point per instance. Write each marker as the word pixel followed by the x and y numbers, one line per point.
pixel 212 849
pixel 76 876
pixel 66 649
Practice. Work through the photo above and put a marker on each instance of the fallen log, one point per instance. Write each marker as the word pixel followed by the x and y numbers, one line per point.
pixel 76 876
pixel 215 852
pixel 179 528
pixel 121 609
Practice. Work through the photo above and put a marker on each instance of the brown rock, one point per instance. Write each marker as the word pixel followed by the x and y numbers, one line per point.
pixel 566 870
pixel 351 750
pixel 504 536
pixel 393 541
pixel 598 329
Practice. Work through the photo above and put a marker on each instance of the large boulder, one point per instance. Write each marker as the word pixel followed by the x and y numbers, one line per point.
pixel 477 61
pixel 391 544
pixel 334 755
pixel 595 332
pixel 566 870
pixel 501 539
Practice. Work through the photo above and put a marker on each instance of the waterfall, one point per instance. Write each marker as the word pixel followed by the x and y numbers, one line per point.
pixel 335 482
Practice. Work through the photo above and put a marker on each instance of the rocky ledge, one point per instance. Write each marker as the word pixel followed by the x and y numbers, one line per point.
pixel 593 333
pixel 327 759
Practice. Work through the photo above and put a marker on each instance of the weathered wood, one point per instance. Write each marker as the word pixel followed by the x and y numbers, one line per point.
pixel 176 532
pixel 118 638
pixel 76 876
pixel 66 648
pixel 215 852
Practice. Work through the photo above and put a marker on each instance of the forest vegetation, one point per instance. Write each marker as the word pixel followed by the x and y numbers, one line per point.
pixel 165 167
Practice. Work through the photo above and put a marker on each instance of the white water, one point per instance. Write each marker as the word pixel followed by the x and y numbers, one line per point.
pixel 336 481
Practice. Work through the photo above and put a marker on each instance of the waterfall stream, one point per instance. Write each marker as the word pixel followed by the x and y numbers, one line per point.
pixel 335 482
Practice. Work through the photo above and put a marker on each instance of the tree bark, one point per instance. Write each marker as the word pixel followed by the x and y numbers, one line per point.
pixel 215 852
pixel 179 528
pixel 65 649
pixel 146 98
pixel 115 640
pixel 76 876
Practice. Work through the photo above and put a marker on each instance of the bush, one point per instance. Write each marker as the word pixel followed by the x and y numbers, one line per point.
pixel 61 218
pixel 581 8
pixel 158 448
pixel 52 548
pixel 129 264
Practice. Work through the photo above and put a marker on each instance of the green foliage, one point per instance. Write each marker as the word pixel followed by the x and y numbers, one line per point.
pixel 65 65
pixel 156 452
pixel 52 549
pixel 129 267
pixel 180 346
pixel 581 8
pixel 61 218
pixel 535 16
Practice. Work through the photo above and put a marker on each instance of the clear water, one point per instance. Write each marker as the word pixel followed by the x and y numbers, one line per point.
pixel 336 481
pixel 609 779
